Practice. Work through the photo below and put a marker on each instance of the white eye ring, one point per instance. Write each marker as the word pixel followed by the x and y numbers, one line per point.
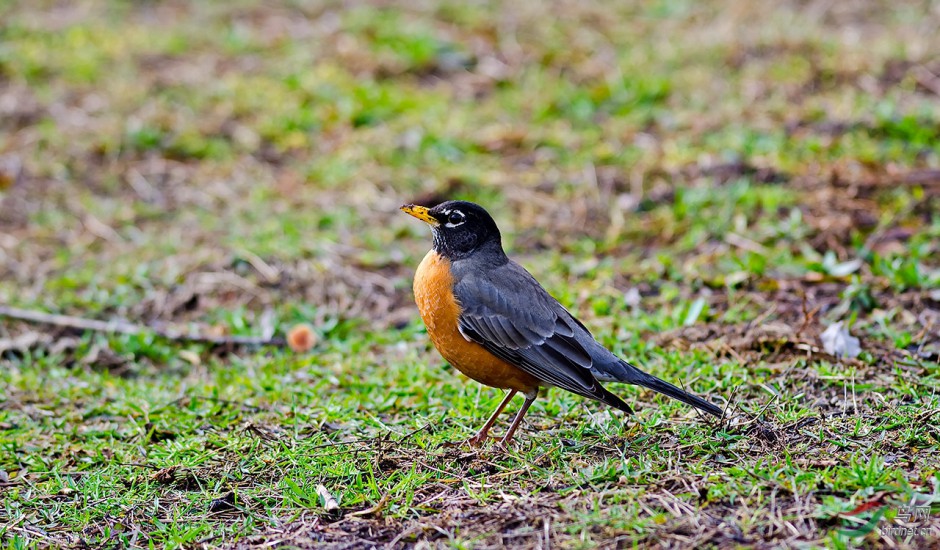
pixel 455 218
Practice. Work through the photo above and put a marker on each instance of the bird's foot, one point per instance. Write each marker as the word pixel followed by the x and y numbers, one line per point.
pixel 476 441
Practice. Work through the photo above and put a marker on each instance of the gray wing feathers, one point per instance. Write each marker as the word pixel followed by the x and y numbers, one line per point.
pixel 506 311
pixel 538 336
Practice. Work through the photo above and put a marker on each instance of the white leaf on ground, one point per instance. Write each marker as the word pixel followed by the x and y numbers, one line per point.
pixel 268 323
pixel 845 268
pixel 837 341
pixel 632 298
pixel 329 502
pixel 695 311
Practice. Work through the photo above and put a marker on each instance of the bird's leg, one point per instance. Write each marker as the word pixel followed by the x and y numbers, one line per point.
pixel 480 437
pixel 529 399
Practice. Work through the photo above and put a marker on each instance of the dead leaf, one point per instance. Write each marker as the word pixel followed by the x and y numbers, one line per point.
pixel 164 475
pixel 268 323
pixel 632 298
pixel 375 510
pixel 837 341
pixel 329 502
pixel 875 501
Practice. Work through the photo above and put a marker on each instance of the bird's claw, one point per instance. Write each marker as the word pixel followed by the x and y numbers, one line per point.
pixel 476 441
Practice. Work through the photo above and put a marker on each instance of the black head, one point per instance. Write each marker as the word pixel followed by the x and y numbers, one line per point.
pixel 460 228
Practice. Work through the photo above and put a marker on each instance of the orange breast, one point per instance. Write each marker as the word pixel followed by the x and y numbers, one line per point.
pixel 433 288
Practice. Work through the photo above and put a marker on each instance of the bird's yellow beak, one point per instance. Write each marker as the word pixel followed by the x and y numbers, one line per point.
pixel 422 213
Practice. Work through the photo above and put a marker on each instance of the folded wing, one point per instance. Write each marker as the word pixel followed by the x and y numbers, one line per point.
pixel 537 336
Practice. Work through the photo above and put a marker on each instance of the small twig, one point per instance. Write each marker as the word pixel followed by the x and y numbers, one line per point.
pixel 761 318
pixel 725 417
pixel 375 510
pixel 746 244
pixel 406 533
pixel 923 417
pixel 120 326
pixel 413 432
pixel 757 418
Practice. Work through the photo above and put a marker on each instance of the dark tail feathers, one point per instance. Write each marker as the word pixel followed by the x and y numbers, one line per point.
pixel 640 378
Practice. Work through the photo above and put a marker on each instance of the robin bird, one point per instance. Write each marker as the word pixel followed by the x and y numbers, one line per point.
pixel 491 320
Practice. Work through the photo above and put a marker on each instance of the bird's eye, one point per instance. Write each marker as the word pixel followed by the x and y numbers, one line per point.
pixel 455 218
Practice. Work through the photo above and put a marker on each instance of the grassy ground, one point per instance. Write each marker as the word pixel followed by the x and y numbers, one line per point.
pixel 707 187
